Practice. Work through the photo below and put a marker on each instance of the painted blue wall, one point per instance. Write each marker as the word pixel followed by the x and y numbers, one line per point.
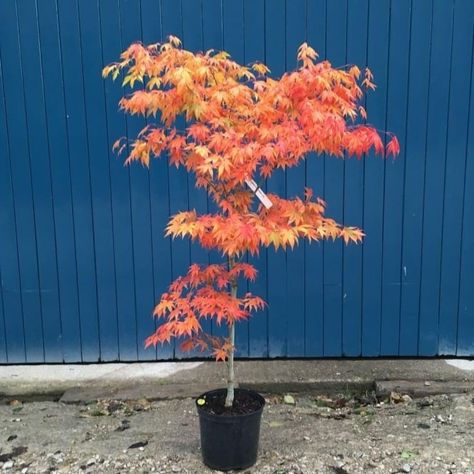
pixel 82 252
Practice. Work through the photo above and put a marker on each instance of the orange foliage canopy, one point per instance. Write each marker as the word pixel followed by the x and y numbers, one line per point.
pixel 243 125
pixel 204 293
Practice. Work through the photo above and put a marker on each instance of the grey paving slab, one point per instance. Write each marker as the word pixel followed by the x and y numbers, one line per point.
pixel 167 380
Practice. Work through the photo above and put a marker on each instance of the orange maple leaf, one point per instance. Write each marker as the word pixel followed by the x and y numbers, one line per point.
pixel 242 128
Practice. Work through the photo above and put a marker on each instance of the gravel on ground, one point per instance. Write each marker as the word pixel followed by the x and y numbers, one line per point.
pixel 299 435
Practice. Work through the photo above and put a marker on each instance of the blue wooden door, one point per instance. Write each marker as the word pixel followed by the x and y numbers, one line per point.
pixel 82 252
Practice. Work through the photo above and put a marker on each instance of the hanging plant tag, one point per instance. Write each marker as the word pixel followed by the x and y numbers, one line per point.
pixel 259 193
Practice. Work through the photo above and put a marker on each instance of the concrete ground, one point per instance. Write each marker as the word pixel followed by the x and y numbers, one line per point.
pixel 170 380
pixel 311 435
pixel 344 417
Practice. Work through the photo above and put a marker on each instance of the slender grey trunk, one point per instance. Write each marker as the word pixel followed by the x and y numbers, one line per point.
pixel 230 361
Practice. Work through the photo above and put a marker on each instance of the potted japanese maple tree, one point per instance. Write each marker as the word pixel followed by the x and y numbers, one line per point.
pixel 242 125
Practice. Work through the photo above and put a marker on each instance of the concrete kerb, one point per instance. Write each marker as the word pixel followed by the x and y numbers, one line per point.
pixel 171 380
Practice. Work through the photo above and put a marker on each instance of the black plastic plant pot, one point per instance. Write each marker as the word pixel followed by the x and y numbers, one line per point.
pixel 229 441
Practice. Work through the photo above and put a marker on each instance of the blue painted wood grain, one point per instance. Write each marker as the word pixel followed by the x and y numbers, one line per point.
pixel 415 143
pixel 295 182
pixel 233 24
pixel 377 41
pixel 83 258
pixel 98 149
pixel 193 39
pixel 140 205
pixel 12 308
pixel 397 90
pixel 40 180
pixel 254 46
pixel 20 155
pixel 172 24
pixel 159 186
pixel 336 42
pixel 458 118
pixel 80 163
pixel 112 45
pixel 353 189
pixel 315 165
pixel 56 123
pixel 436 143
pixel 465 329
pixel 212 37
pixel 3 334
pixel 277 296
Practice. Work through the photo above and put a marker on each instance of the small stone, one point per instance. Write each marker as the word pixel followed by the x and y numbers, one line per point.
pixel 139 444
pixel 24 470
pixel 91 462
pixel 289 400
pixel 306 438
pixel 406 468
pixel 424 426
pixel 8 465
pixel 427 384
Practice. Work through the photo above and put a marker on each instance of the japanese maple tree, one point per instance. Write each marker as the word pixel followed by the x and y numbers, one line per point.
pixel 242 126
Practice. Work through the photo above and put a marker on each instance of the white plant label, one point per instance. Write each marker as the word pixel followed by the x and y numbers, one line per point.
pixel 259 193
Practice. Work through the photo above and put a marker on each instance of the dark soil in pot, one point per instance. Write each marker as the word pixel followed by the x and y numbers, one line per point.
pixel 229 436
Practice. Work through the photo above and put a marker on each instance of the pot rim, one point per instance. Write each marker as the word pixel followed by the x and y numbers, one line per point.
pixel 228 416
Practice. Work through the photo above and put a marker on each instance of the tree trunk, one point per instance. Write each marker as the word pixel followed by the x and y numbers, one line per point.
pixel 230 361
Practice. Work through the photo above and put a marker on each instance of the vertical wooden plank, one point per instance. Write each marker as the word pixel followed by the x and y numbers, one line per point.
pixel 438 105
pixel 12 346
pixel 98 149
pixel 254 46
pixel 296 177
pixel 353 206
pixel 193 41
pixel 333 195
pixel 233 42
pixel 14 91
pixel 130 17
pixel 398 70
pixel 71 53
pixel 461 63
pixel 414 174
pixel 151 21
pixel 159 186
pixel 275 50
pixel 465 329
pixel 112 46
pixel 374 181
pixel 212 30
pixel 3 335
pixel 212 22
pixel 41 180
pixel 313 276
pixel 56 123
pixel 172 17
